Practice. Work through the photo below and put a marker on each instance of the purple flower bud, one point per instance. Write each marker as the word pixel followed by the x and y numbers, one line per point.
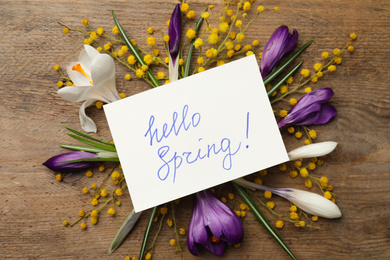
pixel 213 224
pixel 174 32
pixel 55 164
pixel 311 109
pixel 280 43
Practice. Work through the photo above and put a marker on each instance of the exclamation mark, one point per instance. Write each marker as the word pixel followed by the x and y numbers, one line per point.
pixel 247 127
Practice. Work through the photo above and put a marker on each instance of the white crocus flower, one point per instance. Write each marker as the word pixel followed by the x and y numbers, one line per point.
pixel 94 77
pixel 310 202
pixel 312 150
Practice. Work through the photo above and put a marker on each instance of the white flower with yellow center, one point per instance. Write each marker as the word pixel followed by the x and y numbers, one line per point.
pixel 94 77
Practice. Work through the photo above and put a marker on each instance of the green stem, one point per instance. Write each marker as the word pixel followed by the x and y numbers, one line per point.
pixel 256 211
pixel 135 51
pixel 281 82
pixel 147 231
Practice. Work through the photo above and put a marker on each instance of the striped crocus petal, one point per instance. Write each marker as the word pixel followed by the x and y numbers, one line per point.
pixel 310 202
pixel 174 32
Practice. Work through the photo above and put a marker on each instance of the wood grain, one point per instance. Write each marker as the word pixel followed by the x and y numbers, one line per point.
pixel 33 204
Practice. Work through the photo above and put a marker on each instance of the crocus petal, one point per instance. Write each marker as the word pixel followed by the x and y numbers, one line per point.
pixel 86 57
pixel 55 164
pixel 86 122
pixel 174 32
pixel 321 95
pixel 314 204
pixel 173 69
pixel 74 94
pixel 327 113
pixel 301 117
pixel 312 150
pixel 103 76
pixel 310 202
pixel 280 43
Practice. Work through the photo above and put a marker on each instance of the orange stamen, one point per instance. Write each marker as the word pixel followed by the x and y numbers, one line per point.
pixel 214 239
pixel 78 68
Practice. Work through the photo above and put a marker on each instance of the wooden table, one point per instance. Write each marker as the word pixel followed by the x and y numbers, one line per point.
pixel 33 204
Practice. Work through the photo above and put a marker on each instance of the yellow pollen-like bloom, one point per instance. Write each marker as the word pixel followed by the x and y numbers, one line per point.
pixel 255 43
pixel 307 141
pixel 223 199
pixel 230 53
pixel 304 173
pixel 185 7
pixel 191 34
pixel 172 242
pixel 229 12
pixel 231 196
pixel 83 225
pixel 122 95
pixel 213 38
pixel 279 224
pixel 151 41
pixel 120 53
pixel 66 30
pixel 298 135
pixel 293 101
pixel 65 223
pixel 263 172
pixel 115 30
pixel 85 190
pixel 89 174
pixel 160 75
pixel 148 256
pixel 211 53
pixel 84 22
pixel 282 167
pixel 313 134
pixel 290 80
pixel 86 41
pixel 166 60
pixel 166 82
pixel 337 60
pixel 191 14
pixel 283 89
pixel 238 23
pixel 353 36
pixel 166 38
pixel 317 66
pixel 168 22
pixel 243 206
pixel 247 6
pixel 205 15
pixel 182 231
pixel 118 192
pixel 128 77
pixel 267 194
pixel 144 67
pixel 237 47
pixel 327 195
pixel 351 48
pixel 108 46
pixel 332 68
pixel 271 204
pixel 314 218
pixel 258 181
pixel 148 59
pixel 336 52
pixel 200 60
pixel 314 79
pixel 223 27
pixel 150 30
pixel 293 174
pixel 140 73
pixel 181 62
pixel 111 212
pixel 325 55
pixel 307 90
pixel 58 177
pixel 221 18
pixel 201 69
pixel 305 73
pixel 93 36
pixel 60 84
pixel 260 9
pixel 220 62
pixel 319 74
pixel 100 31
pixel 291 129
pixel 198 43
pixel 247 47
pixel 240 37
pixel 283 113
pixel 276 9
pixel 308 183
pixel 170 222
pixel 215 30
pixel 294 216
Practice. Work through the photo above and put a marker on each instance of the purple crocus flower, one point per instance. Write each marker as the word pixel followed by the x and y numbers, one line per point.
pixel 174 32
pixel 213 224
pixel 280 43
pixel 311 109
pixel 55 164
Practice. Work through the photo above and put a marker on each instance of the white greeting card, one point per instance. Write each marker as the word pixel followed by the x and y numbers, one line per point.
pixel 195 133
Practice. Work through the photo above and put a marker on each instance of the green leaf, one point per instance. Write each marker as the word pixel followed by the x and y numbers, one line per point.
pixel 87 136
pixel 134 50
pixel 256 211
pixel 191 48
pixel 86 141
pixel 283 80
pixel 93 160
pixel 146 235
pixel 83 148
pixel 124 230
pixel 281 67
